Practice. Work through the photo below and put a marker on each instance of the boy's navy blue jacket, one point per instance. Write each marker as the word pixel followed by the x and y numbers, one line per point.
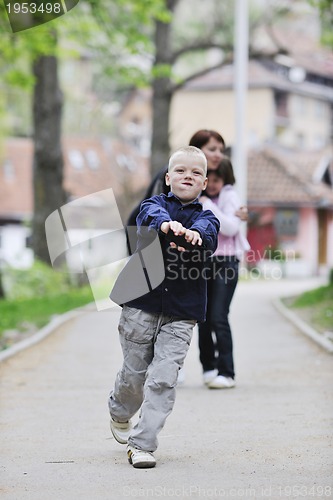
pixel 183 292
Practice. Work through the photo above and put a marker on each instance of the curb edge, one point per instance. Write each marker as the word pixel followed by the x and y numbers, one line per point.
pixel 40 334
pixel 301 325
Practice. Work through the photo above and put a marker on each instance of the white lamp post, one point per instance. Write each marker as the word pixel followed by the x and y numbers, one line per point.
pixel 240 88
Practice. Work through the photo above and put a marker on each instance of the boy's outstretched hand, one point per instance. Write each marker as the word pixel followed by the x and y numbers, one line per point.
pixel 180 237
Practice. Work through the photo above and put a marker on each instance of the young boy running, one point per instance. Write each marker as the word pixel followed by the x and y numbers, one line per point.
pixel 156 328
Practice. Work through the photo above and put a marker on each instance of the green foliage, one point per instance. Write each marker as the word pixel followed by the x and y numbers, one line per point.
pixel 19 78
pixel 325 8
pixel 19 48
pixel 14 314
pixel 34 295
pixel 162 71
pixel 118 36
pixel 313 297
pixel 39 280
pixel 316 307
pixel 111 31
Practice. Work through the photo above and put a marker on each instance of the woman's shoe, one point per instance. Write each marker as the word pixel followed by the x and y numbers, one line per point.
pixel 221 382
pixel 208 376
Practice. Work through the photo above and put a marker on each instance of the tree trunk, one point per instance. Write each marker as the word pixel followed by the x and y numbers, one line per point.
pixel 48 160
pixel 2 291
pixel 160 135
pixel 162 94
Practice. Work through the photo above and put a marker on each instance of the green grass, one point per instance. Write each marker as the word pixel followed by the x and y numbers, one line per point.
pixel 38 310
pixel 316 307
pixel 315 297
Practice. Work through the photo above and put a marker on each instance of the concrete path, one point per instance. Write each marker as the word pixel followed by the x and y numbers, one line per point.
pixel 270 437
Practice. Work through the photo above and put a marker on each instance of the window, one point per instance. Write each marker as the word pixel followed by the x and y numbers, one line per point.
pixel 319 109
pixel 281 103
pixel 8 170
pixel 92 159
pixel 126 162
pixel 327 178
pixel 286 222
pixel 76 159
pixel 300 105
pixel 28 241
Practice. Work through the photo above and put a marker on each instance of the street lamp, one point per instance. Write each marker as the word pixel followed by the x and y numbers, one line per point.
pixel 240 89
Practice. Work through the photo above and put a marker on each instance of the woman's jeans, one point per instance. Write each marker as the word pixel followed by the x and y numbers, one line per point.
pixel 216 353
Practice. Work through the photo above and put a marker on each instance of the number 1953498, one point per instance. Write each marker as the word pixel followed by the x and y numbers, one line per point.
pixel 33 8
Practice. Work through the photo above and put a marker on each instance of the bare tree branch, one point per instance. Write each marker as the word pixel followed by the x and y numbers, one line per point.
pixel 253 54
pixel 270 31
pixel 202 45
pixel 202 72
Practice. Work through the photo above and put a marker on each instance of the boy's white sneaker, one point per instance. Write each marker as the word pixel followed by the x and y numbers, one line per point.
pixel 221 382
pixel 208 376
pixel 140 459
pixel 120 430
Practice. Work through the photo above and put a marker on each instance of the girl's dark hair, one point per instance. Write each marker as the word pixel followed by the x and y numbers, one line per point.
pixel 201 137
pixel 225 171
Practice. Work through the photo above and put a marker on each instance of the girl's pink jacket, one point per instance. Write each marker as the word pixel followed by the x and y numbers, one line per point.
pixel 230 239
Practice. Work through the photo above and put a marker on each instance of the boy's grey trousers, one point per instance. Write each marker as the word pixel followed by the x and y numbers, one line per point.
pixel 154 348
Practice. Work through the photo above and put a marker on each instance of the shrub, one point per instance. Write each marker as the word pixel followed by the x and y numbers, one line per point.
pixel 39 280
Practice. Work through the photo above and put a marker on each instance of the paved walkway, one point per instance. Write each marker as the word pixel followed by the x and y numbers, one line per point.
pixel 270 437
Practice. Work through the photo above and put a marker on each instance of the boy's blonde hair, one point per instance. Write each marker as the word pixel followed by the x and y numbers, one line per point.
pixel 188 150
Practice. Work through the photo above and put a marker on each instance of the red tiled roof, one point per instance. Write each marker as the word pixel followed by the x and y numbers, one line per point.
pixel 278 179
pixel 258 77
pixel 306 51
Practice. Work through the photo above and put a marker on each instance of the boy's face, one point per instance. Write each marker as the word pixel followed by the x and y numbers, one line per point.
pixel 187 177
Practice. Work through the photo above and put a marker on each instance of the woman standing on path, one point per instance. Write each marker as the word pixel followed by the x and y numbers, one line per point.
pixel 221 198
pixel 213 146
